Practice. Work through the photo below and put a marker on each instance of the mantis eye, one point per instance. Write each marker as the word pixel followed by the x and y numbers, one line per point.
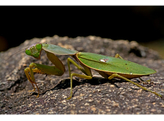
pixel 39 47
pixel 28 52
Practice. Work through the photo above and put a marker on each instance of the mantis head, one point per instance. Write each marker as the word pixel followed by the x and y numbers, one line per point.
pixel 34 50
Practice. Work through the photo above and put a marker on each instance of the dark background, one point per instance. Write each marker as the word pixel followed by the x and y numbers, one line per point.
pixel 144 24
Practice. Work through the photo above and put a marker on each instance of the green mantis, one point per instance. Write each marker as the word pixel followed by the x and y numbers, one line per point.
pixel 107 67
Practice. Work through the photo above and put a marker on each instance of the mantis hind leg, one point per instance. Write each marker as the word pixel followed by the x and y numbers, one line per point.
pixel 78 75
pixel 147 81
pixel 84 69
pixel 119 76
pixel 118 56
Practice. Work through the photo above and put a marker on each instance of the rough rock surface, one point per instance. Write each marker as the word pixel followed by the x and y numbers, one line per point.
pixel 96 96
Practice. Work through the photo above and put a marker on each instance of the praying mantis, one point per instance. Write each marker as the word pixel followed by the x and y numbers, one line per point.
pixel 108 67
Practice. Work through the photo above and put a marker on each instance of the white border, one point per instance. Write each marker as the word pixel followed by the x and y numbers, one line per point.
pixel 82 2
pixel 82 117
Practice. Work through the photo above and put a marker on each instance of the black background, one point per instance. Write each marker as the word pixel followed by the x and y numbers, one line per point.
pixel 140 23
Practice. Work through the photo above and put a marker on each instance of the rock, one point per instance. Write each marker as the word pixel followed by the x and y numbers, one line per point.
pixel 89 96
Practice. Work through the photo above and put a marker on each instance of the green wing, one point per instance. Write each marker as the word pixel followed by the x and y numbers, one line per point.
pixel 111 64
pixel 58 50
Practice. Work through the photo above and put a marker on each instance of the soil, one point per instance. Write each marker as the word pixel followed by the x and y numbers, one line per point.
pixel 95 96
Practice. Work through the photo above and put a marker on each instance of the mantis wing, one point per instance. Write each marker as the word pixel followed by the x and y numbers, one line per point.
pixel 113 65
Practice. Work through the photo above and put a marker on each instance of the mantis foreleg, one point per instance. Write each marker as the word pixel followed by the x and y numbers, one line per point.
pixel 57 70
pixel 30 76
